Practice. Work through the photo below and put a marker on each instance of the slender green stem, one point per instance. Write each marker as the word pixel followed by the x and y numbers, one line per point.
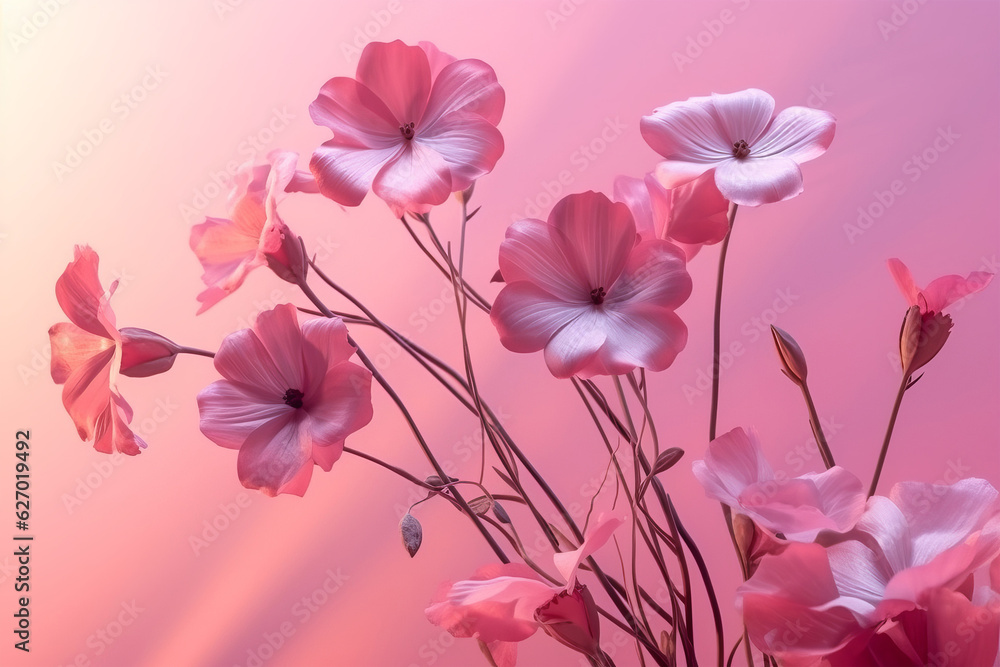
pixel 888 434
pixel 717 326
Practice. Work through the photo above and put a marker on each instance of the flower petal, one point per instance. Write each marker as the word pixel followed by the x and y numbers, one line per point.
pixel 697 213
pixel 274 455
pixel 688 134
pixel 755 181
pixel 399 75
pixel 904 280
pixel 576 344
pixel 733 461
pixel 278 331
pixel 743 116
pixel 597 535
pixel 345 173
pixel 946 290
pixel 80 295
pixel 229 415
pixel 527 317
pixel 799 133
pixel 243 359
pixel 536 252
pixel 72 347
pixel 469 145
pixel 640 335
pixel 341 406
pixel 415 179
pixel 600 236
pixel 469 86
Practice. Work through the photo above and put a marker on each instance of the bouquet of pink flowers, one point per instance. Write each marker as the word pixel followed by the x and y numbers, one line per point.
pixel 834 574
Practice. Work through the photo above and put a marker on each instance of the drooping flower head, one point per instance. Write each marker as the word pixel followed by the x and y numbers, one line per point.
pixel 414 126
pixel 754 154
pixel 504 604
pixel 288 400
pixel 581 287
pixel 89 353
pixel 736 473
pixel 255 236
pixel 690 215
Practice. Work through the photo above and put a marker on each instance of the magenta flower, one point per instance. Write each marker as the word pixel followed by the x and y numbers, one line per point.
pixel 289 399
pixel 736 473
pixel 89 353
pixel 581 287
pixel 904 549
pixel 504 604
pixel 414 126
pixel 755 155
pixel 230 249
pixel 690 215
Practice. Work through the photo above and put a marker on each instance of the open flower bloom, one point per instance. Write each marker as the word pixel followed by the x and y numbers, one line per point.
pixel 690 215
pixel 925 328
pixel 812 601
pixel 736 473
pixel 289 399
pixel 230 249
pixel 504 604
pixel 414 126
pixel 89 352
pixel 581 287
pixel 755 155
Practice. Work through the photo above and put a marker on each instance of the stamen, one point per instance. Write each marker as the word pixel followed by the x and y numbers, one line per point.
pixel 597 295
pixel 407 131
pixel 293 397
pixel 741 150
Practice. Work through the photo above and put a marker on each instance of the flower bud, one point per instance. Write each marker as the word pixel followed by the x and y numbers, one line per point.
pixel 921 338
pixel 572 620
pixel 145 353
pixel 284 251
pixel 792 358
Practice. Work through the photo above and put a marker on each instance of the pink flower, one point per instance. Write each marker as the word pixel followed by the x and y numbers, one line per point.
pixel 230 249
pixel 941 292
pixel 926 329
pixel 904 548
pixel 736 473
pixel 690 215
pixel 89 352
pixel 289 399
pixel 754 154
pixel 504 604
pixel 415 126
pixel 581 287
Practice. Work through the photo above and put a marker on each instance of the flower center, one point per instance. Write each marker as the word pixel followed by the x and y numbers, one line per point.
pixel 293 397
pixel 597 295
pixel 406 131
pixel 741 150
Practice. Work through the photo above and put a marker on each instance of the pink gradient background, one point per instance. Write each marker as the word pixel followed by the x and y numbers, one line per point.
pixel 129 540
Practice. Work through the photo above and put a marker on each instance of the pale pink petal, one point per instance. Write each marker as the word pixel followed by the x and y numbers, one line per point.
pixel 345 173
pixel 117 436
pixel 904 280
pixel 635 193
pixel 842 496
pixel 81 297
pixel 399 75
pixel 72 347
pixel 527 317
pixel 639 335
pixel 790 604
pixel 326 455
pixel 600 236
pixel 341 405
pixel 752 182
pixel 358 118
pixel 415 179
pixel 537 252
pixel 655 274
pixel 465 85
pixel 575 345
pixel 884 521
pixel 469 145
pixel 504 654
pixel 799 133
pixel 274 454
pixel 742 116
pixel 328 338
pixel 278 331
pixel 229 415
pixel 965 633
pixel 733 461
pixel 688 135
pixel 243 359
pixel 436 58
pixel 596 536
pixel 497 604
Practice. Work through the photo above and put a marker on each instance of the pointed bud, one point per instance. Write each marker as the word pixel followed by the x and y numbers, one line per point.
pixel 921 338
pixel 413 534
pixel 793 361
pixel 145 353
pixel 572 620
pixel 284 251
